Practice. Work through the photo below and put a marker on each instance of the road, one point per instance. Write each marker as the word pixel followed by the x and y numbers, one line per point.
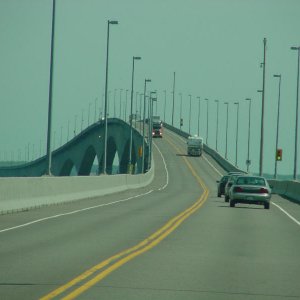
pixel 174 239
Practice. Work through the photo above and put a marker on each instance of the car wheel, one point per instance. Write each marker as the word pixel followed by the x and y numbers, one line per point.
pixel 267 205
pixel 226 198
pixel 231 203
pixel 219 195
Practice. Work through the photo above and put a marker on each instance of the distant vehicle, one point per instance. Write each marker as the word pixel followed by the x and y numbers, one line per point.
pixel 250 190
pixel 157 130
pixel 194 145
pixel 221 185
pixel 229 183
pixel 156 120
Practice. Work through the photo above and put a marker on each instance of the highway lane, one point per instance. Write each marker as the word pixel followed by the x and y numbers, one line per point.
pixel 216 253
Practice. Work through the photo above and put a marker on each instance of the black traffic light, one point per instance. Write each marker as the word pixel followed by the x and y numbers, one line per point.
pixel 279 154
pixel 181 122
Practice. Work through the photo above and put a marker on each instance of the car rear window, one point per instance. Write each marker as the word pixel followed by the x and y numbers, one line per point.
pixel 251 181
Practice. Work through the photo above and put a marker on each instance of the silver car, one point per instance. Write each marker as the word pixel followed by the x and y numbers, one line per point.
pixel 250 190
pixel 230 182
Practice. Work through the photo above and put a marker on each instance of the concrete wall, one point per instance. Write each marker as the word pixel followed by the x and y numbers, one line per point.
pixel 287 188
pixel 23 193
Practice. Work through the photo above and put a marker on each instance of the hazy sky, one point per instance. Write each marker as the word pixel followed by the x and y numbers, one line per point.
pixel 214 46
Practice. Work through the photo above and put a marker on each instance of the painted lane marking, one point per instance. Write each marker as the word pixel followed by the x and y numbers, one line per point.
pixel 285 212
pixel 129 254
pixel 75 211
pixel 167 173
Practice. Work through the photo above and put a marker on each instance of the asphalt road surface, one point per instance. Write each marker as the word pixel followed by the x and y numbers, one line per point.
pixel 174 239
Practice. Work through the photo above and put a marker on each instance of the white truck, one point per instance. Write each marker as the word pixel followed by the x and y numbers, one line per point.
pixel 194 146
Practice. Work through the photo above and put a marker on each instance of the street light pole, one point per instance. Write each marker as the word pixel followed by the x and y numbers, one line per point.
pixel 198 115
pixel 130 169
pixel 105 102
pixel 115 94
pixel 165 105
pixel 173 100
pixel 226 103
pixel 206 120
pixel 277 129
pixel 126 105
pixel 237 132
pixel 144 117
pixel 190 114
pixel 121 90
pixel 262 113
pixel 49 154
pixel 249 127
pixel 217 128
pixel 151 100
pixel 297 109
pixel 180 124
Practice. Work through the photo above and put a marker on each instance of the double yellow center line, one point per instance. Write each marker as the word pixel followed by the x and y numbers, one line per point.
pixel 103 269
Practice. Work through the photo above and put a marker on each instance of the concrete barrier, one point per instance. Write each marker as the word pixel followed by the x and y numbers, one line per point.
pixel 23 193
pixel 289 189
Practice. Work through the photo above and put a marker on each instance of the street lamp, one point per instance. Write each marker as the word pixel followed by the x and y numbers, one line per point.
pixel 206 120
pixel 180 124
pixel 173 100
pixel 297 105
pixel 126 105
pixel 95 112
pixel 248 162
pixel 105 104
pixel 144 117
pixel 82 111
pixel 262 112
pixel 75 123
pixel 217 128
pixel 49 154
pixel 198 115
pixel 190 114
pixel 165 105
pixel 90 104
pixel 115 93
pixel 237 131
pixel 277 129
pixel 151 100
pixel 130 168
pixel 121 90
pixel 227 104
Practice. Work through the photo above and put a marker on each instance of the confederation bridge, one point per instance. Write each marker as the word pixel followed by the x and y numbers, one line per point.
pixel 80 152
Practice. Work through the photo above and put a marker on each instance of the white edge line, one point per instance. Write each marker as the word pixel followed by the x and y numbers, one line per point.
pixel 75 211
pixel 285 212
pixel 167 173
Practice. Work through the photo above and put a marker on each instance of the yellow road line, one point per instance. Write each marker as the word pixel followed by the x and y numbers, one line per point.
pixel 134 251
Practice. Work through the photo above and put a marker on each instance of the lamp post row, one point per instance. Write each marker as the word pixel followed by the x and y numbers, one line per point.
pixel 48 152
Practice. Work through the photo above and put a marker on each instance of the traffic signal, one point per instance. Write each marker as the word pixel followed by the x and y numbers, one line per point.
pixel 279 154
pixel 181 122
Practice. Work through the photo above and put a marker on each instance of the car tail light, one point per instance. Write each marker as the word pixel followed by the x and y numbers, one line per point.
pixel 263 191
pixel 238 189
